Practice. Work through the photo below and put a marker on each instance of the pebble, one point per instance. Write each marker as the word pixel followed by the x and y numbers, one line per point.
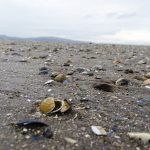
pixel 98 68
pixel 127 71
pixel 48 133
pixel 37 115
pixel 142 102
pixel 89 73
pixel 141 62
pixel 122 81
pixel 138 78
pixel 27 137
pixel 43 56
pixel 70 140
pixel 80 70
pixel 43 71
pixel 68 63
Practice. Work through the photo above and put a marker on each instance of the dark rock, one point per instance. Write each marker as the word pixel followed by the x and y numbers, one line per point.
pixel 48 133
pixel 43 71
pixel 31 124
pixel 127 71
pixel 104 87
pixel 43 56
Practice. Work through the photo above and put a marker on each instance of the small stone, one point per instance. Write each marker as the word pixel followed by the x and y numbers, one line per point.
pixel 98 68
pixel 37 115
pixel 24 131
pixel 98 130
pixel 68 63
pixel 89 73
pixel 147 75
pixel 43 56
pixel 80 70
pixel 23 60
pixel 43 71
pixel 70 140
pixel 122 81
pixel 141 62
pixel 142 102
pixel 138 78
pixel 48 133
pixel 49 90
pixel 27 137
pixel 116 62
pixel 84 99
pixel 127 71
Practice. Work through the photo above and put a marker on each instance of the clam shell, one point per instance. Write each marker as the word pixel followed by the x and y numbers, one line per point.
pixel 65 107
pixel 60 77
pixel 47 105
pixel 58 106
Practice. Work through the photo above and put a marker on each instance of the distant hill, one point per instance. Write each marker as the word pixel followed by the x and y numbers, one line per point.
pixel 40 39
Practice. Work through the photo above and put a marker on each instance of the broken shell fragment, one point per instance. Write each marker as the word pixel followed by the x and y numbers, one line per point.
pixel 47 105
pixel 58 106
pixel 65 107
pixel 98 130
pixel 60 77
pixel 122 81
pixel 145 137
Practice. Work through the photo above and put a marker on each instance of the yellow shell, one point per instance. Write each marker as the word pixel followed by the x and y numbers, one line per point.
pixel 65 107
pixel 60 77
pixel 47 105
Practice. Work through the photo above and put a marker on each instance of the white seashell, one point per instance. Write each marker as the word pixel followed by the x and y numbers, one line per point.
pixel 48 82
pixel 98 130
pixel 145 137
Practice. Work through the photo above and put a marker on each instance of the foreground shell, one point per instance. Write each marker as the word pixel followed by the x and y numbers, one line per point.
pixel 47 105
pixel 58 106
pixel 66 106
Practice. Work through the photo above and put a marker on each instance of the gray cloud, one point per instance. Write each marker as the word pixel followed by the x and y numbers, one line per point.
pixel 75 19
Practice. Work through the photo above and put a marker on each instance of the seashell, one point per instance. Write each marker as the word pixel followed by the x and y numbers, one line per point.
pixel 98 130
pixel 58 106
pixel 145 137
pixel 66 106
pixel 31 124
pixel 147 75
pixel 60 77
pixel 147 82
pixel 47 105
pixel 122 81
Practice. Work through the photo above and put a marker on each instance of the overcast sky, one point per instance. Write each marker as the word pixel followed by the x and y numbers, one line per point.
pixel 108 21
